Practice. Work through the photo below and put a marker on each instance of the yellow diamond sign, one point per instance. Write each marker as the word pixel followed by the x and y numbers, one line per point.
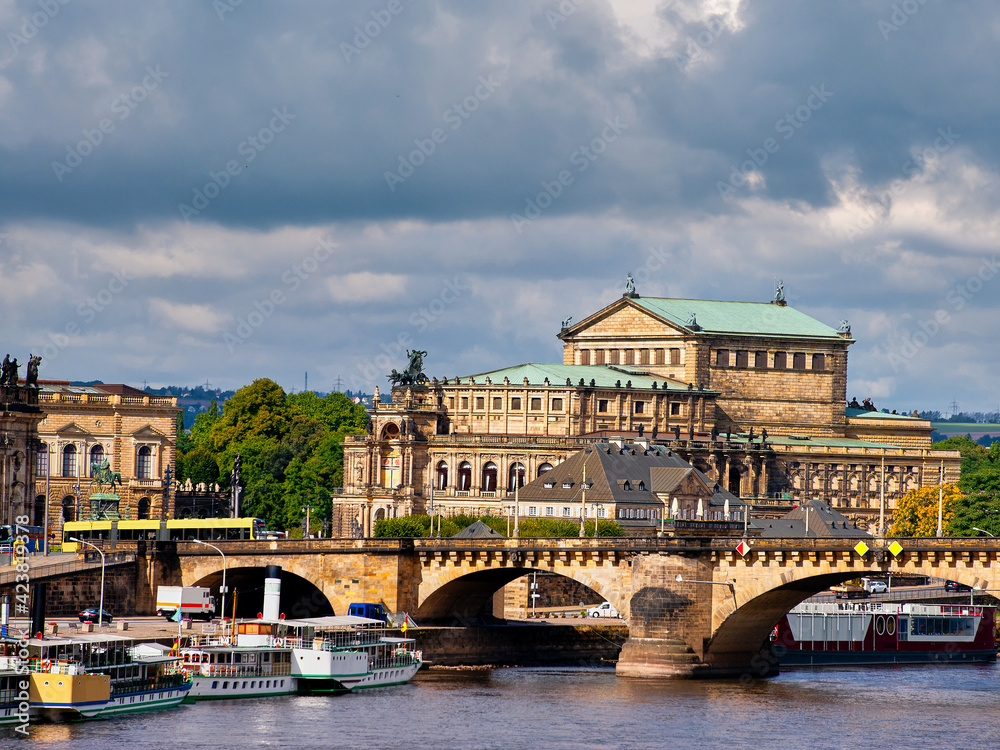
pixel 861 548
pixel 895 549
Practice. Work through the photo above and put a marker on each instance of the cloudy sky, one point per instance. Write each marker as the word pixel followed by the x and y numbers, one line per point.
pixel 220 191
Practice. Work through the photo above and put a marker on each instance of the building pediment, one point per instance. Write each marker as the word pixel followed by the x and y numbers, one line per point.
pixel 148 433
pixel 72 430
pixel 625 315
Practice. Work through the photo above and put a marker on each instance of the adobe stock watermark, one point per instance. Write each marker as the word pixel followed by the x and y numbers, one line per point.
pixel 249 148
pixel 561 12
pixel 581 158
pixel 122 107
pixel 224 7
pixel 366 32
pixel 946 138
pixel 374 368
pixel 901 14
pixel 31 25
pixel 901 348
pixel 454 116
pixel 787 126
pixel 700 42
pixel 292 278
pixel 86 313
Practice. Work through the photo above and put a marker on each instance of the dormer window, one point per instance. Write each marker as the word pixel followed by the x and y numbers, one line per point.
pixel 548 485
pixel 567 484
pixel 642 486
pixel 627 486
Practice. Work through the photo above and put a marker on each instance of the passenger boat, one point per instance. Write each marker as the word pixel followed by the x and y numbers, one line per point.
pixel 846 633
pixel 322 654
pixel 256 666
pixel 89 676
pixel 14 681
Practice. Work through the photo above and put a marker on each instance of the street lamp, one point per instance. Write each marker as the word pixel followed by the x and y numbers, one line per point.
pixel 730 584
pixel 222 591
pixel 598 508
pixel 976 528
pixel 307 510
pixel 100 611
pixel 992 513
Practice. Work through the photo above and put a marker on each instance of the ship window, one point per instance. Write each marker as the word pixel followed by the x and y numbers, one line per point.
pixel 225 684
pixel 903 634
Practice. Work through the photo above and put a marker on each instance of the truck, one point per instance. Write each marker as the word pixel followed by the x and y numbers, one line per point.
pixel 192 601
pixel 849 591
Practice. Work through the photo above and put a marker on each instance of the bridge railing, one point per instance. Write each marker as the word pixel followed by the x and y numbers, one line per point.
pixel 37 570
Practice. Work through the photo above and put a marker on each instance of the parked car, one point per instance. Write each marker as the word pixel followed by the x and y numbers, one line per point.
pixel 956 586
pixel 90 615
pixel 874 587
pixel 603 610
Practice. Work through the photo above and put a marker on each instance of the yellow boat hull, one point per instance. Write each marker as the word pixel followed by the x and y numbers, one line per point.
pixel 66 697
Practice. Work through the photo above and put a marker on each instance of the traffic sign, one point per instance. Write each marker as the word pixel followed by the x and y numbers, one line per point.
pixel 743 548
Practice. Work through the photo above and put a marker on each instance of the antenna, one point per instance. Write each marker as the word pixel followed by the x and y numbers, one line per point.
pixel 305 387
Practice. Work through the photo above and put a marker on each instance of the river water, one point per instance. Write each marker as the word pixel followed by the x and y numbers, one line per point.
pixel 953 707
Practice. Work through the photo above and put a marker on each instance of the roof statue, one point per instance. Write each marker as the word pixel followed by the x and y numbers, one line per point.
pixel 566 322
pixel 845 327
pixel 31 377
pixel 630 286
pixel 779 291
pixel 8 376
pixel 692 322
pixel 414 372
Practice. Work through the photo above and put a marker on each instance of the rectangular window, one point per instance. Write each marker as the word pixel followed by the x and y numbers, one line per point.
pixel 600 357
pixel 451 402
pixel 638 406
pixel 465 402
pixel 658 354
pixel 675 409
pixel 532 510
pixel 819 362
pixel 557 404
pixel 644 356
pixel 550 511
pixel 602 405
pixel 780 361
pixel 630 356
pixel 675 356
pixel 585 357
pixel 42 461
pixel 567 511
pixel 497 403
pixel 742 359
pixel 799 361
pixel 536 404
pixel 480 402
pixel 601 513
pixel 760 360
pixel 614 357
pixel 515 403
pixel 69 463
pixel 722 358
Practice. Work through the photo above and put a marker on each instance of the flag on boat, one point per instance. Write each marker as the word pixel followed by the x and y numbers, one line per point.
pixel 403 629
pixel 176 647
pixel 176 617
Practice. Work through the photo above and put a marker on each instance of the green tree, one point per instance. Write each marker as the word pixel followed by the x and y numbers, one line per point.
pixel 199 465
pixel 259 410
pixel 405 526
pixel 916 512
pixel 203 424
pixel 183 441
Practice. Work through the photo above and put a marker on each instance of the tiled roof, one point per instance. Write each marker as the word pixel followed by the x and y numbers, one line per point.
pixel 754 318
pixel 604 376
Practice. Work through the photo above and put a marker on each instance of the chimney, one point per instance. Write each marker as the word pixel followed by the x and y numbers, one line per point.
pixel 272 593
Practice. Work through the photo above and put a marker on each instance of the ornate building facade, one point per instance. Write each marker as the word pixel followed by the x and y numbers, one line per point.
pixel 752 394
pixel 19 419
pixel 135 432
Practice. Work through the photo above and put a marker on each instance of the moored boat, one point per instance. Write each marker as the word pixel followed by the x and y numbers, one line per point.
pixel 846 633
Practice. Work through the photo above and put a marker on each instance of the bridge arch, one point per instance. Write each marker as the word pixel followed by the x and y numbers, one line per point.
pixel 457 593
pixel 300 597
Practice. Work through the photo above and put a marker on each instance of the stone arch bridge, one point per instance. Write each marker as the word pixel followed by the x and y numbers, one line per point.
pixel 681 629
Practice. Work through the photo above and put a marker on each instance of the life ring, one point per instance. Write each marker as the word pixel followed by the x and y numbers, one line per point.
pixel 46 665
pixel 279 642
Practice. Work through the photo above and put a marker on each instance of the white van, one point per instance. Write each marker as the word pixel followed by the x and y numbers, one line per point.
pixel 603 610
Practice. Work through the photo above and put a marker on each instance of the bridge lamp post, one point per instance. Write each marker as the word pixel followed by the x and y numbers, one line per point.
pixel 992 513
pixel 100 611
pixel 598 507
pixel 731 584
pixel 976 528
pixel 222 591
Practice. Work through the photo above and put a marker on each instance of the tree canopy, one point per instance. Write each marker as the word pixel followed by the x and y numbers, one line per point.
pixel 291 448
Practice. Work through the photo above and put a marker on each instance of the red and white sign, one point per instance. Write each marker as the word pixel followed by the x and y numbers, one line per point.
pixel 743 548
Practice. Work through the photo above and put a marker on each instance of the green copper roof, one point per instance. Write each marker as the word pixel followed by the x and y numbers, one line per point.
pixel 865 414
pixel 603 376
pixel 754 318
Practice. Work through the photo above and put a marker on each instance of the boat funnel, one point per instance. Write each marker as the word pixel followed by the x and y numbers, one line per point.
pixel 272 592
pixel 38 608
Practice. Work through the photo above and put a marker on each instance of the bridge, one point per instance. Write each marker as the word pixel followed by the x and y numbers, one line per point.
pixel 694 606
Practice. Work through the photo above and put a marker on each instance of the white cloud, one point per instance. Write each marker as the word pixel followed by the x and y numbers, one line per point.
pixel 198 318
pixel 366 287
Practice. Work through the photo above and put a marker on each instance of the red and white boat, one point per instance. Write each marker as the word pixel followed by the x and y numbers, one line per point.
pixel 844 633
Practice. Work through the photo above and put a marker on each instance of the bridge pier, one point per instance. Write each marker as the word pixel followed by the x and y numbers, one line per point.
pixel 671 623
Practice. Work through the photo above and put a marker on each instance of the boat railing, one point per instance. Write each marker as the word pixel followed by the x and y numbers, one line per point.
pixel 244 670
pixel 163 682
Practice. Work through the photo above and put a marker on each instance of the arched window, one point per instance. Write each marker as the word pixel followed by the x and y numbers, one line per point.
pixel 42 461
pixel 68 505
pixel 96 456
pixel 442 475
pixel 69 461
pixel 489 482
pixel 40 510
pixel 465 476
pixel 144 466
pixel 515 474
pixel 142 512
pixel 544 468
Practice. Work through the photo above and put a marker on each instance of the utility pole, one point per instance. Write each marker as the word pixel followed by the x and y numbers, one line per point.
pixel 940 528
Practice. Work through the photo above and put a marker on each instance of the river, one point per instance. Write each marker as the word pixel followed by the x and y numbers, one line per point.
pixel 951 707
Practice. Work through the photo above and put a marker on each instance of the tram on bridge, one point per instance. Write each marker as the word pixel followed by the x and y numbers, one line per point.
pixel 174 530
